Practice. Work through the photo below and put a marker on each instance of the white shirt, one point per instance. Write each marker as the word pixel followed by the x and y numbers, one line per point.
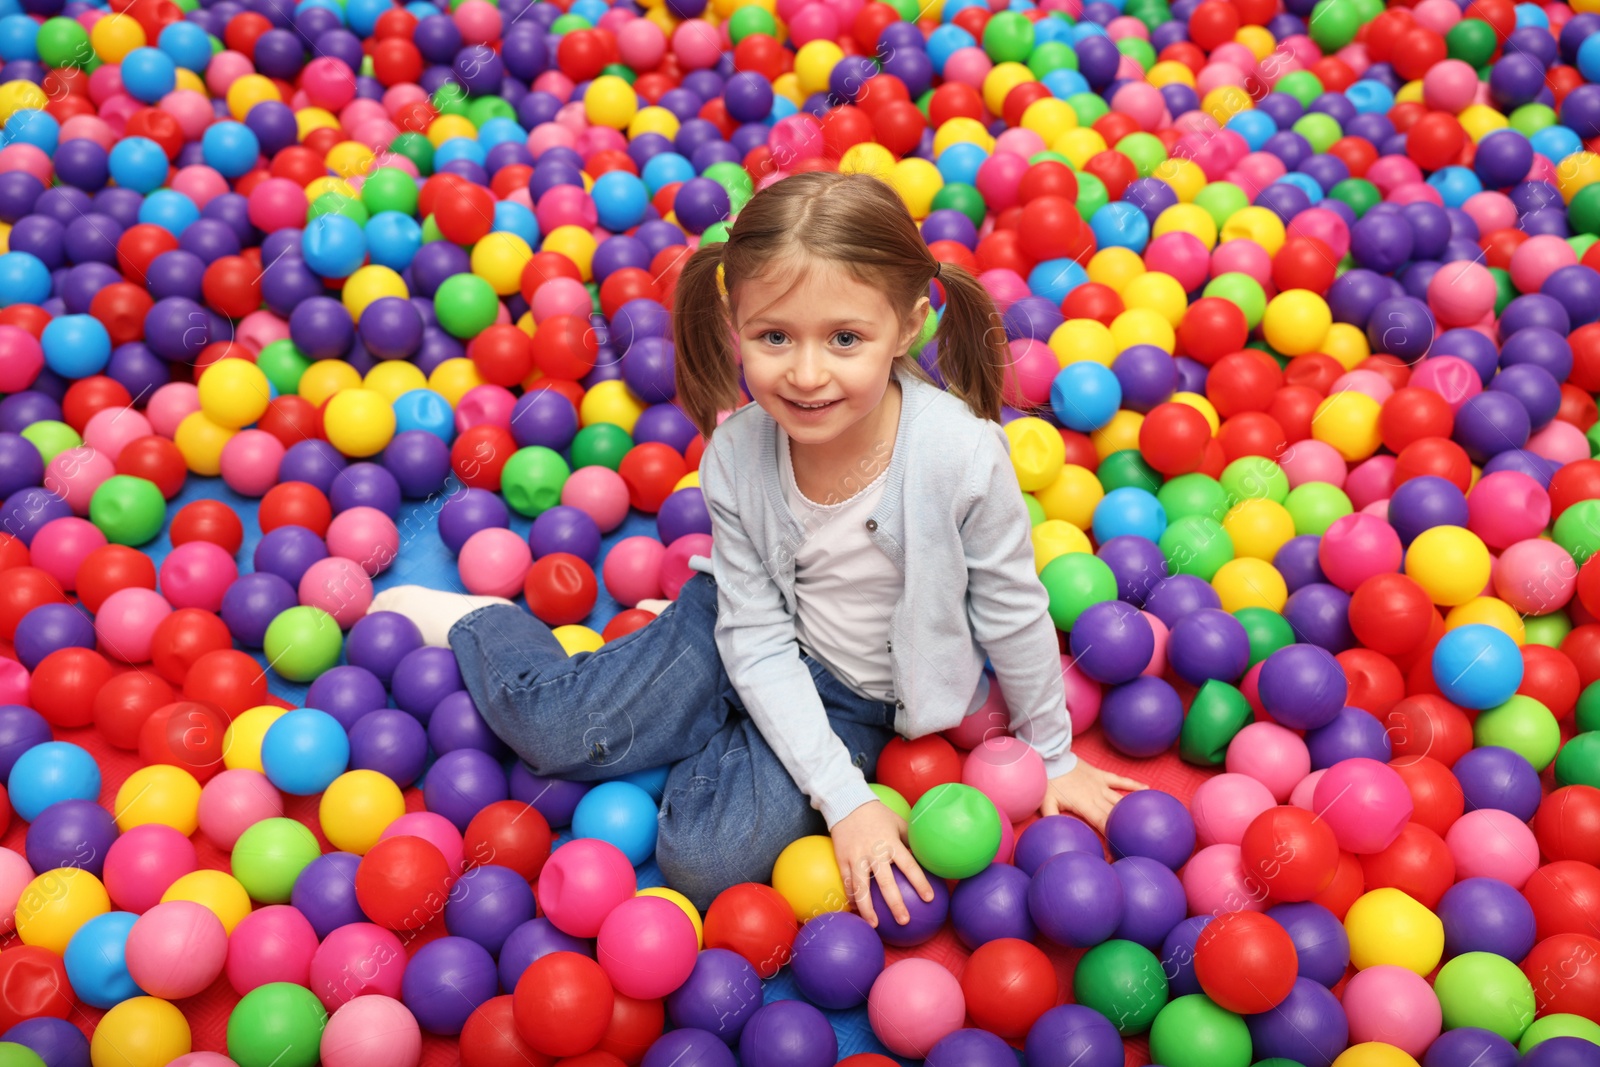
pixel 846 589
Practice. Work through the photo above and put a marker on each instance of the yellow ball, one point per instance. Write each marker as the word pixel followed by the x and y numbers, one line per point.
pixel 248 91
pixel 688 481
pixel 1072 496
pixel 233 392
pixel 326 377
pixel 610 101
pixel 217 891
pixel 1184 176
pixel 1347 344
pixel 1249 582
pixel 1386 926
pixel 961 131
pixel 141 1032
pixel 201 442
pixel 1258 528
pixel 999 82
pixel 684 905
pixel 1115 267
pixel 241 743
pixel 1118 435
pixel 1256 224
pixel 1489 611
pixel 359 422
pixel 1158 292
pixel 368 284
pixel 1349 422
pixel 18 95
pixel 454 378
pixel 1139 326
pixel 918 182
pixel 1480 121
pixel 1296 322
pixel 575 638
pixel 349 158
pixel 577 244
pixel 1202 405
pixel 159 793
pixel 1170 72
pixel 867 158
pixel 788 86
pixel 447 127
pixel 1258 39
pixel 1037 452
pixel 1575 172
pixel 814 62
pixel 610 402
pixel 1450 563
pixel 1187 218
pixel 654 120
pixel 1409 93
pixel 188 79
pixel 1053 538
pixel 1373 1054
pixel 56 903
pixel 114 36
pixel 308 120
pixel 394 378
pixel 1079 145
pixel 807 876
pixel 1049 118
pixel 1083 339
pixel 499 258
pixel 357 807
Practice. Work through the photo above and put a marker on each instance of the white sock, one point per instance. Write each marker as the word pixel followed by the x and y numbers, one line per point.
pixel 654 607
pixel 433 611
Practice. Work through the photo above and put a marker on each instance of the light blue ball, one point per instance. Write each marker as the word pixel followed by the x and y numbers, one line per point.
pixel 620 200
pixel 1588 58
pixel 97 963
pixel 1085 396
pixel 944 42
pixel 139 163
pixel 512 217
pixel 230 148
pixel 1456 185
pixel 19 35
pixel 1121 225
pixel 38 128
pixel 148 74
pixel 24 279
pixel 1055 278
pixel 652 781
pixel 664 168
pixel 76 346
pixel 170 210
pixel 49 773
pixel 1254 126
pixel 333 246
pixel 500 131
pixel 393 239
pixel 424 409
pixel 362 15
pixel 1477 666
pixel 960 162
pixel 304 751
pixel 1129 512
pixel 187 45
pixel 620 813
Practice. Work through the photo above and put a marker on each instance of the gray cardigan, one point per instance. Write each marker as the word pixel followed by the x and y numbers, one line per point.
pixel 953 520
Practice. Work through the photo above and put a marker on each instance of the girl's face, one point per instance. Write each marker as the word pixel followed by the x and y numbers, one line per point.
pixel 818 346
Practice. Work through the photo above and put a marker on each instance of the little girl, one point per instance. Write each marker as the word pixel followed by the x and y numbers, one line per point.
pixel 870 548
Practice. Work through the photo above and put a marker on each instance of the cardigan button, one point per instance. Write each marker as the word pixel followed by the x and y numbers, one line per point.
pixel 872 524
pixel 899 705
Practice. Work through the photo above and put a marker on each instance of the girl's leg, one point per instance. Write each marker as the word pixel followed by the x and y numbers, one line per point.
pixel 645 700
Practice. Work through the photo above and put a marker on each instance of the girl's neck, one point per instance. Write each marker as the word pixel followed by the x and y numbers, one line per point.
pixel 857 456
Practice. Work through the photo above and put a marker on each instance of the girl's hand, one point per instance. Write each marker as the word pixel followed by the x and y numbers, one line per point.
pixel 1086 791
pixel 870 843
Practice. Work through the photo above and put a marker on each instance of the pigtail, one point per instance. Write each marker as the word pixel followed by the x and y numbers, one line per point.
pixel 971 342
pixel 705 370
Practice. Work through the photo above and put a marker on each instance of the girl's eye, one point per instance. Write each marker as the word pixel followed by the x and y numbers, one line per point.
pixel 773 337
pixel 846 339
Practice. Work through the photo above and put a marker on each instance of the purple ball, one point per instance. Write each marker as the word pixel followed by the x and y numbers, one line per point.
pixel 555 798
pixel 1490 423
pixel 1577 289
pixel 252 602
pixel 788 1033
pixel 684 512
pixel 1209 644
pixel 1142 718
pixel 1147 374
pixel 455 723
pixel 544 417
pixel 1051 836
pixel 424 677
pixel 1470 1045
pixel 1076 899
pixel 688 1048
pixel 971 1048
pixel 20 464
pixel 50 627
pixel 721 995
pixel 419 461
pixel 1153 901
pixel 314 462
pixel 1534 309
pixel 347 693
pixel 1320 615
pixel 445 982
pixel 1402 326
pixel 1112 642
pixel 1471 346
pixel 533 940
pixel 1539 346
pixel 288 552
pixel 1137 563
pixel 1073 1036
pixel 1381 241
pixel 325 892
pixel 926 917
pixel 1561 1052
pixel 665 424
pixel 462 783
pixel 1486 915
pixel 71 833
pixel 837 957
pixel 1319 940
pixel 57 1042
pixel 1151 823
pixel 26 512
pixel 1178 595
pixel 992 904
pixel 487 905
pixel 565 529
pixel 1177 956
pixel 1494 777
pixel 1424 502
pixel 1309 1026
pixel 1355 293
pixel 648 368
pixel 391 328
pixel 1535 389
pixel 366 485
pixel 390 742
pixel 20 729
pixel 467 512
pixel 1303 686
pixel 379 641
pixel 1352 734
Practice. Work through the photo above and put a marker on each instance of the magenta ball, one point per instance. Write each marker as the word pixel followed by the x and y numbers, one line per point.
pixel 582 882
pixel 1490 843
pixel 1215 882
pixel 355 960
pixel 631 571
pixel 647 947
pixel 61 545
pixel 271 944
pixel 1224 807
pixel 126 623
pixel 1357 547
pixel 144 862
pixel 1365 803
pixel 176 949
pixel 196 574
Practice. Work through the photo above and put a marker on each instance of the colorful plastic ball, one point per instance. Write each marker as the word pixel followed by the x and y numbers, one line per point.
pixel 402 881
pixel 913 1005
pixel 1450 563
pixel 1142 718
pixel 49 772
pixel 647 947
pixel 142 1032
pixel 563 1003
pixel 1387 927
pixel 303 642
pixel 160 794
pixel 1010 773
pixel 271 944
pixel 1245 962
pixel 269 855
pixel 837 957
pixel 1302 686
pixel 304 751
pixel 1365 802
pixel 1477 666
pixel 356 959
pixel 277 1023
pixel 446 981
pixel 1393 1005
pixel 590 877
pixel 95 961
pixel 368 1029
pixel 143 863
pixel 1154 824
pixel 176 949
pixel 1485 991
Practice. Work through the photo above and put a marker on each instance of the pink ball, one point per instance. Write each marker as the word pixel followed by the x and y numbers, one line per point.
pixel 990 719
pixel 1033 369
pixel 260 328
pixel 1313 461
pixel 126 622
pixel 642 44
pixel 61 545
pixel 814 22
pixel 1215 883
pixel 176 949
pixel 144 862
pixel 1451 377
pixel 1272 755
pixel 1560 442
pixel 15 874
pixel 74 475
pixel 1225 805
pixel 675 569
pixel 1182 255
pixel 494 562
pixel 1010 773
pixel 582 882
pixel 93 128
pixel 277 204
pixel 366 535
pixel 1391 171
pixel 915 1004
pixel 109 430
pixel 1325 226
pixel 1449 86
pixel 696 44
pixel 565 205
pixel 485 405
pixel 1506 507
pixel 250 462
pixel 478 21
pixel 1535 260
pixel 999 178
pixel 968 65
pixel 1083 696
pixel 234 801
pixel 338 585
pixel 200 184
pixel 1019 141
pixel 191 109
pixel 355 961
pixel 1461 293
pixel 1490 843
pixel 1005 286
pixel 271 944
pixel 1242 257
pixel 14 684
pixel 1008 841
pixel 1437 15
pixel 27 158
pixel 176 401
pixel 21 359
pixel 1158 658
pixel 1125 27
pixel 1393 1005
pixel 632 570
pixel 1358 547
pixel 1260 169
pixel 647 947
pixel 196 574
pixel 795 138
pixel 557 85
pixel 433 828
pixel 559 296
pixel 224 69
pixel 202 1059
pixel 1365 803
pixel 372 1029
pixel 1491 211
pixel 1142 102
pixel 1305 789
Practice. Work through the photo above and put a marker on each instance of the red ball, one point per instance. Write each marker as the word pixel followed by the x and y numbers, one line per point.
pixel 620 286
pixel 87 397
pixel 1567 824
pixel 1436 797
pixel 867 1059
pixel 911 768
pixel 110 568
pixel 208 520
pixel 125 702
pixel 1418 863
pixel 634 1027
pixel 1435 456
pixel 33 985
pixel 561 589
pixel 403 882
pixel 565 347
pixel 1093 301
pixel 1213 24
pixel 480 455
pixel 754 921
pixel 563 1002
pixel 182 638
pixel 1565 896
pixel 1416 52
pixel 291 419
pixel 509 833
pixel 1565 973
pixel 232 285
pixel 1212 328
pixel 295 504
pixel 1315 371
pixel 651 470
pixel 1345 889
pixel 1114 169
pixel 24 589
pixel 1304 263
pixel 1291 852
pixel 1435 141
pixel 1410 414
pixel 1390 613
pixel 139 245
pixel 490 1038
pixel 1573 483
pixel 762 54
pixel 13 553
pixel 1577 407
pixel 1585 342
pixel 156 460
pixel 1245 962
pixel 229 680
pixel 1376 684
pixel 1582 647
pixel 1048 178
pixel 1429 725
pixel 1173 438
pixel 1294 406
pixel 843 128
pixel 466 215
pixel 396 61
pixel 64 685
pixel 187 734
pixel 1550 677
pixel 502 354
pixel 1242 381
pixel 1008 984
pixel 1251 433
pixel 625 622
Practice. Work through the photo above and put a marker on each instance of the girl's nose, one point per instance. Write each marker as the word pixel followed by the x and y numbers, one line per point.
pixel 807 370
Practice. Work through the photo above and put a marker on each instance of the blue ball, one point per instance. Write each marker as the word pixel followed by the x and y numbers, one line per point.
pixel 511 217
pixel 424 409
pixel 18 38
pixel 230 148
pixel 1053 279
pixel 1588 59
pixel 139 163
pixel 96 962
pixel 170 210
pixel 652 781
pixel 304 751
pixel 187 45
pixel 38 128
pixel 1121 225
pixel 1085 396
pixel 1477 666
pixel 49 773
pixel 664 168
pixel 148 74
pixel 393 239
pixel 333 246
pixel 76 346
pixel 620 813
pixel 620 200
pixel 1129 511
pixel 24 279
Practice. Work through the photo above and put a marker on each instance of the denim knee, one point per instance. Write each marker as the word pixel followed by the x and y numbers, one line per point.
pixel 701 851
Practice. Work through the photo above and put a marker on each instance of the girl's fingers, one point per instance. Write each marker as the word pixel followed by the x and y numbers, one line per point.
pixel 862 890
pixel 913 871
pixel 891 892
pixel 1126 783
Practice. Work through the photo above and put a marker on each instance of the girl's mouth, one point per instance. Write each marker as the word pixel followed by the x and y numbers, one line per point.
pixel 812 407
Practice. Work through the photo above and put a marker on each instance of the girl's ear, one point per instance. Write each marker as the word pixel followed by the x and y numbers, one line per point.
pixel 914 324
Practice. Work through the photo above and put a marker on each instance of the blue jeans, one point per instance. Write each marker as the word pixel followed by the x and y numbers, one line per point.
pixel 659 697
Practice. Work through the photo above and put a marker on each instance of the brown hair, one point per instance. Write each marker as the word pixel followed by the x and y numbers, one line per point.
pixel 861 223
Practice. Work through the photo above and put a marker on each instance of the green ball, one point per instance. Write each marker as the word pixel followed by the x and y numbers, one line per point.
pixel 1196 545
pixel 1074 582
pixel 1222 201
pixel 1592 434
pixel 909 10
pixel 1578 529
pixel 1127 468
pixel 339 204
pixel 1303 85
pixel 466 305
pixel 1485 990
pixel 955 831
pixel 416 148
pixel 1219 711
pixel 1333 24
pixel 15 1055
pixel 751 19
pixel 1267 631
pixel 1505 289
pixel 390 189
pixel 735 180
pixel 1581 243
pixel 1193 495
pixel 1529 119
pixel 1358 194
pixel 600 444
pixel 1559 1025
pixel 892 800
pixel 1548 630
pixel 1579 761
pixel 1588 717
pixel 63 42
pixel 283 363
pixel 51 438
pixel 1052 56
pixel 1008 37
pixel 959 196
pixel 277 1025
pixel 1471 40
pixel 451 99
pixel 1255 478
pixel 715 234
pixel 1315 506
pixel 1243 290
pixel 1193 1031
pixel 1321 130
pixel 1089 107
pixel 1092 195
pixel 302 642
pixel 485 108
pixel 1146 151
pixel 1122 981
pixel 128 510
pixel 1523 725
pixel 270 855
pixel 1036 513
pixel 532 479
